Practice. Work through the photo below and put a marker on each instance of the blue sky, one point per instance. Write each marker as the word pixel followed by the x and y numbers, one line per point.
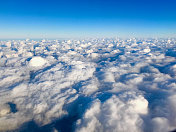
pixel 87 18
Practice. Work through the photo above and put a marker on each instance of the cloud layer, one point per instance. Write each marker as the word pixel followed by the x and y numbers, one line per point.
pixel 95 84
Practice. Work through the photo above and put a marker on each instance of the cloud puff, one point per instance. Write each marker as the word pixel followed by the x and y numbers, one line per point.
pixel 37 61
pixel 119 113
pixel 160 124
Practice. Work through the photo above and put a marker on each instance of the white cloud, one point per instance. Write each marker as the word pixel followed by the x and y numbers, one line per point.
pixel 119 113
pixel 37 62
pixel 160 124
pixel 110 84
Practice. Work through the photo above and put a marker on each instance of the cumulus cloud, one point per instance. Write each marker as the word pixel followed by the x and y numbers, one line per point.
pixel 94 84
pixel 119 113
pixel 160 124
pixel 37 61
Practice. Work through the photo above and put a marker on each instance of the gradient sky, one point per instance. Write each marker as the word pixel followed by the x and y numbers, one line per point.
pixel 87 18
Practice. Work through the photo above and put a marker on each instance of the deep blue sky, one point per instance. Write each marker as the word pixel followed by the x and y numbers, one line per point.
pixel 87 18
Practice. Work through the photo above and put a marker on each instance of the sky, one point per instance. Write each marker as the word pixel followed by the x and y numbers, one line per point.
pixel 87 18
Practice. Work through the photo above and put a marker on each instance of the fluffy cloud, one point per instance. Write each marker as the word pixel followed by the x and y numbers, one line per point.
pixel 119 113
pixel 97 84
